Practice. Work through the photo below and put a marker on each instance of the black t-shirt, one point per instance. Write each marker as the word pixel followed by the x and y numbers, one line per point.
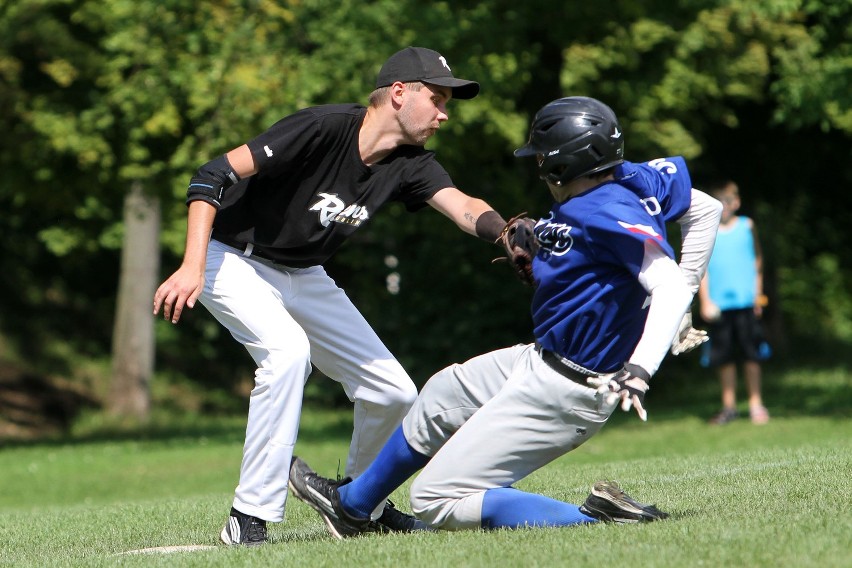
pixel 312 189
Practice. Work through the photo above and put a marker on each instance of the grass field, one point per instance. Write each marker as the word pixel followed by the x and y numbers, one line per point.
pixel 740 495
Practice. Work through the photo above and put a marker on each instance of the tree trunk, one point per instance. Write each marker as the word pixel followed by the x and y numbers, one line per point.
pixel 133 332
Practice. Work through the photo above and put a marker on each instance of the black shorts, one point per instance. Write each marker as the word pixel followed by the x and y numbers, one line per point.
pixel 736 336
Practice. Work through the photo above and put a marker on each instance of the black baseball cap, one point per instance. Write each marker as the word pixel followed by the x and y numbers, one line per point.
pixel 421 64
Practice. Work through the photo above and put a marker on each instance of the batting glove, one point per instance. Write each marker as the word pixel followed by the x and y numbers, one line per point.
pixel 687 337
pixel 629 384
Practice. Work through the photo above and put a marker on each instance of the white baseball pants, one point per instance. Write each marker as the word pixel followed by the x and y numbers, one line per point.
pixel 288 318
pixel 490 422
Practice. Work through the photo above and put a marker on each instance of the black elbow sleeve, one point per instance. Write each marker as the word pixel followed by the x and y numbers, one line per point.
pixel 210 182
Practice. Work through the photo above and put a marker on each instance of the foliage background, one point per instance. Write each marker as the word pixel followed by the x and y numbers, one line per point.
pixel 95 95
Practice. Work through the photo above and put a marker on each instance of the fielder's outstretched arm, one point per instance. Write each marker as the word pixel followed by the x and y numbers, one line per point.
pixel 472 215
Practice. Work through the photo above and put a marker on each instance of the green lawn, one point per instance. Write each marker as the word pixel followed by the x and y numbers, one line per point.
pixel 739 495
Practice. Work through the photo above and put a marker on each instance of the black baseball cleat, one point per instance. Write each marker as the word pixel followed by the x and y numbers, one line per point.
pixel 243 529
pixel 394 520
pixel 609 503
pixel 321 494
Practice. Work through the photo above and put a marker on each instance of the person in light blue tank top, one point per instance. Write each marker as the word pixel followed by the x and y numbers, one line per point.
pixel 734 266
pixel 732 303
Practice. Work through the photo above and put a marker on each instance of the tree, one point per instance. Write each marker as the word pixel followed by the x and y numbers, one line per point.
pixel 102 102
pixel 133 334
pixel 111 103
pixel 757 91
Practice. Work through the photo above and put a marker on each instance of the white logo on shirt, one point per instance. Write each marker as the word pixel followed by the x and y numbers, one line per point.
pixel 555 238
pixel 332 209
pixel 268 151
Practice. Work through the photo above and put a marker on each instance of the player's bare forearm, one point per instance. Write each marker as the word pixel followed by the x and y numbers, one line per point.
pixel 468 213
pixel 183 287
pixel 199 224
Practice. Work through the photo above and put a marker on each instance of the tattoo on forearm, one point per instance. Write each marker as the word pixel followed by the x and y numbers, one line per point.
pixel 471 218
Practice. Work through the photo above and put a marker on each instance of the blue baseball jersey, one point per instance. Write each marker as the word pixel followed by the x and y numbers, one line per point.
pixel 589 306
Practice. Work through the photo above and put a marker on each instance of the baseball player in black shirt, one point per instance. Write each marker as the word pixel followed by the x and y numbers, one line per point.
pixel 263 219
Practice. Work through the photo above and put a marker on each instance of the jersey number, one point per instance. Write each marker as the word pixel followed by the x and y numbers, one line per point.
pixel 663 165
pixel 651 205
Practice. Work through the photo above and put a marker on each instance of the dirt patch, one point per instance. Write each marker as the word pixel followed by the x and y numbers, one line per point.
pixel 33 406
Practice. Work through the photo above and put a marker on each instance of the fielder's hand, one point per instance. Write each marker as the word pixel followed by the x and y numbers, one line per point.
pixel 687 337
pixel 180 290
pixel 629 384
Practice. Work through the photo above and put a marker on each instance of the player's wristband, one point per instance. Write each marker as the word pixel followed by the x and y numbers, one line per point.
pixel 637 371
pixel 489 225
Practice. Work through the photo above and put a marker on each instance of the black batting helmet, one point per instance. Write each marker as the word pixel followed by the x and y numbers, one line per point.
pixel 573 137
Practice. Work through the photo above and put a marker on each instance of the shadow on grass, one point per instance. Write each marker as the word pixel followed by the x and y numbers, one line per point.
pixel 149 432
pixel 316 425
pixel 681 389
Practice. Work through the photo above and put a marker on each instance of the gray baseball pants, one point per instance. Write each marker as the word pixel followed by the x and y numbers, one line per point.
pixel 490 422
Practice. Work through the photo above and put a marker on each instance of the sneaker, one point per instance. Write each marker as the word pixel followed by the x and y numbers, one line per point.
pixel 394 520
pixel 609 503
pixel 244 529
pixel 725 416
pixel 759 415
pixel 321 494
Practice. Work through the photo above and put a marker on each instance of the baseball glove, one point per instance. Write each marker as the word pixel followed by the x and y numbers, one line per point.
pixel 521 246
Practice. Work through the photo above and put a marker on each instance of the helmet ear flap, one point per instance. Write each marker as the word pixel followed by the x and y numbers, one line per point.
pixel 565 168
pixel 555 176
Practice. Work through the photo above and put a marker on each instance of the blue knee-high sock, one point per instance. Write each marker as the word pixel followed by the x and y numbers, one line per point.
pixel 396 462
pixel 506 507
